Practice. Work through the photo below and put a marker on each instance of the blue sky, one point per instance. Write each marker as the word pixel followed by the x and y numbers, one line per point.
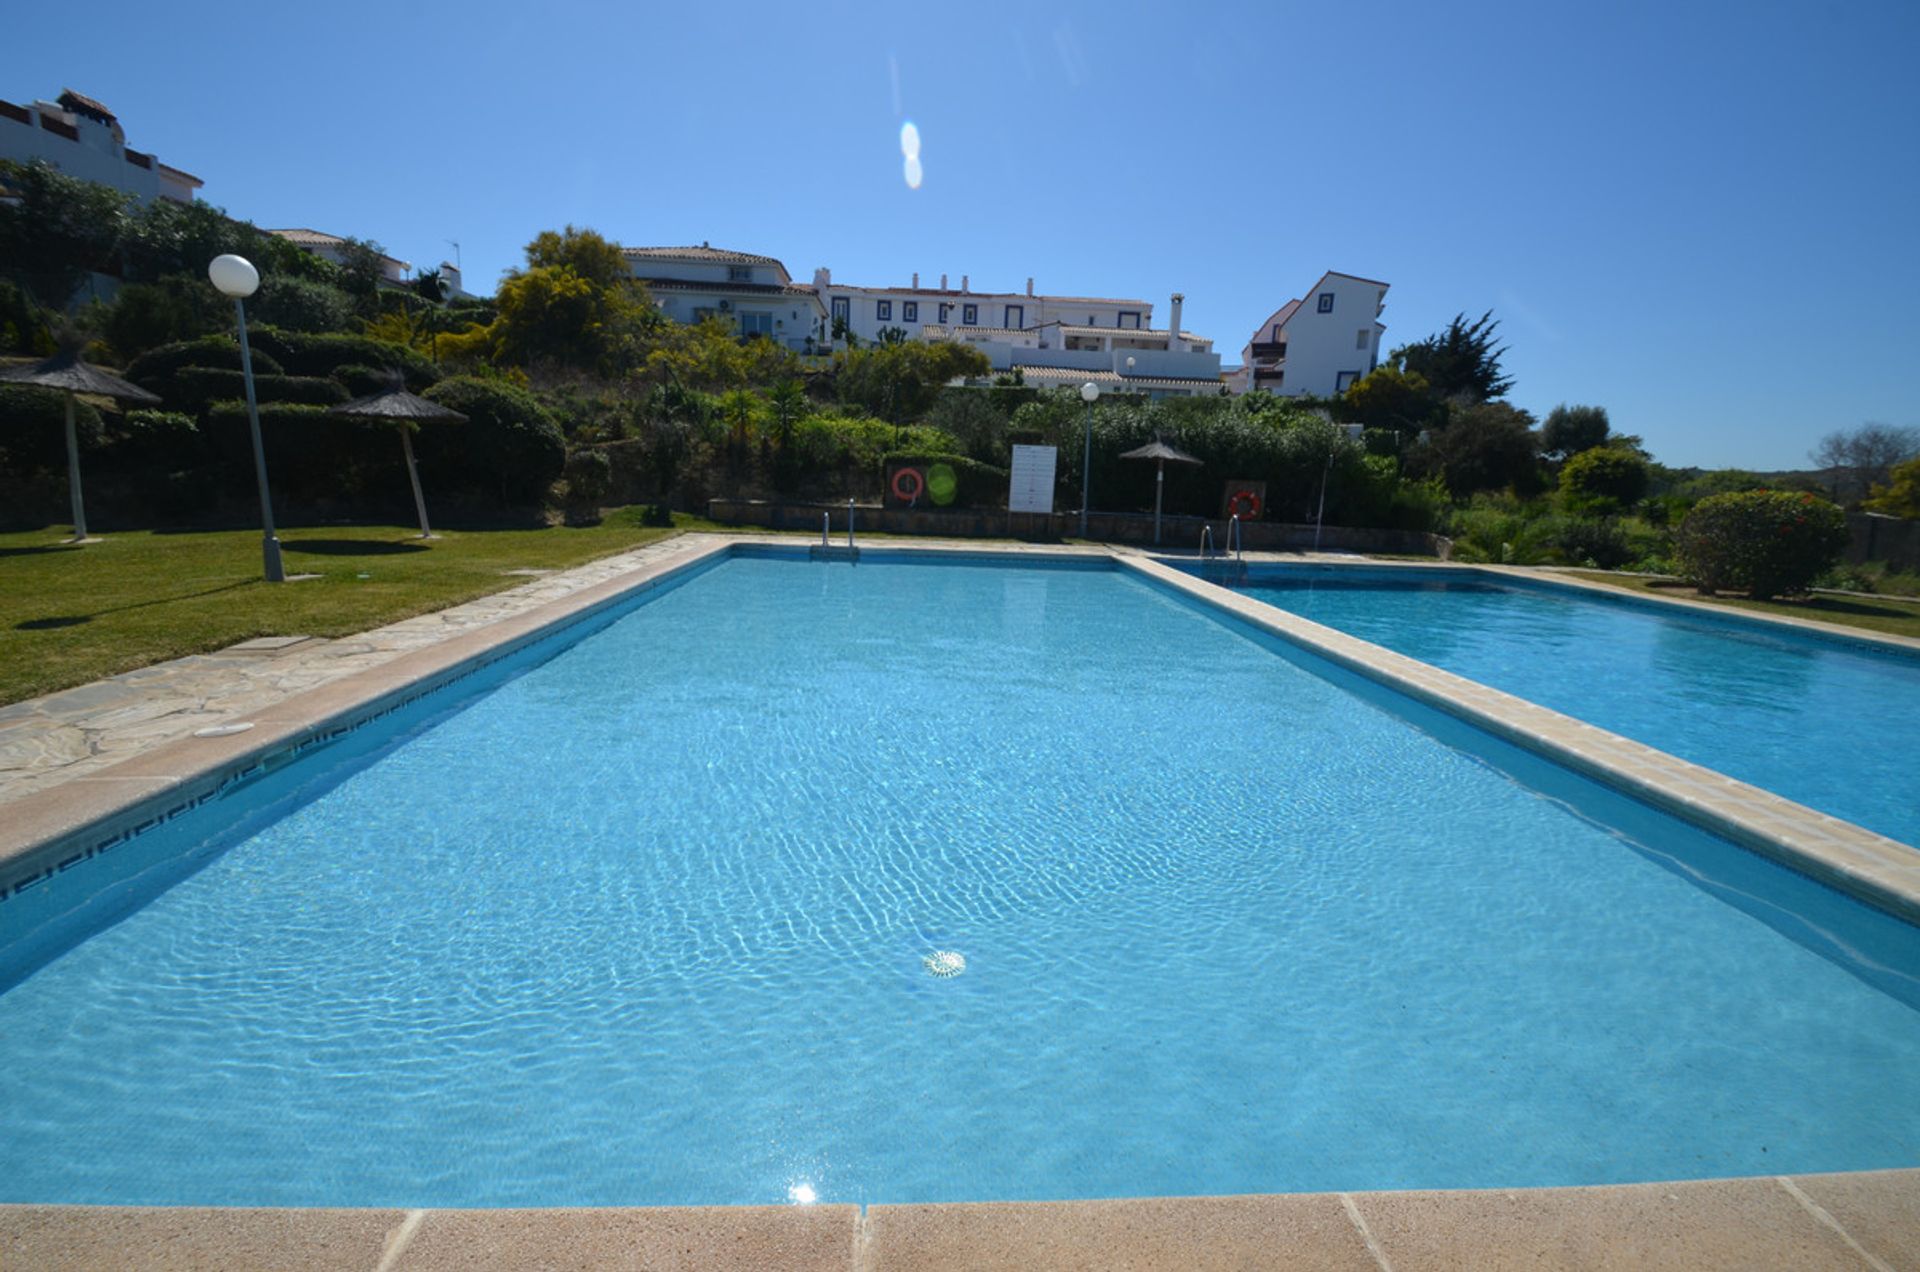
pixel 1698 216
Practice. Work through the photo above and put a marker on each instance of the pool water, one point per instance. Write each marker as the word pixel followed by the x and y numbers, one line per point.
pixel 646 923
pixel 1831 725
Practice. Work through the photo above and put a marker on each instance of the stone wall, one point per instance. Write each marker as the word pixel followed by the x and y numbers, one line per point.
pixel 1178 533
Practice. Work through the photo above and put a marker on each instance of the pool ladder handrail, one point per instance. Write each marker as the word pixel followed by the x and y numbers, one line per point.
pixel 849 525
pixel 1206 540
pixel 826 529
pixel 1235 544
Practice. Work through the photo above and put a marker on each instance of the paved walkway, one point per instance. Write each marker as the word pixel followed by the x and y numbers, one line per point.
pixel 80 732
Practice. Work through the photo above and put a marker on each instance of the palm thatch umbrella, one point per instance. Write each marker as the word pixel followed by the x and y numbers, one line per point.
pixel 1160 451
pixel 68 372
pixel 394 405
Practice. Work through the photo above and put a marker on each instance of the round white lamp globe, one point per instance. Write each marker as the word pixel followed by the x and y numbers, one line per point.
pixel 1089 391
pixel 234 275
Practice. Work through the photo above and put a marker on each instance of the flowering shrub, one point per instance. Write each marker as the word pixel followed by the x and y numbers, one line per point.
pixel 1764 542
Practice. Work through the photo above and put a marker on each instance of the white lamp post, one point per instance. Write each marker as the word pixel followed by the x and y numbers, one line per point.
pixel 1089 393
pixel 235 276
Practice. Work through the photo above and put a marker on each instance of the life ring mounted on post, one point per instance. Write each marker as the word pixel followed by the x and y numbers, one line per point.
pixel 1244 504
pixel 908 485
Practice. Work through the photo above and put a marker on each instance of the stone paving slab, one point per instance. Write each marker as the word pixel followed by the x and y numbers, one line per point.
pixel 138 1238
pixel 1866 1222
pixel 1198 1233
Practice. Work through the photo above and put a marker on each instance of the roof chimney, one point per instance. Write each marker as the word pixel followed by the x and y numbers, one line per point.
pixel 963 282
pixel 1173 324
pixel 916 280
pixel 823 277
pixel 943 282
pixel 1029 286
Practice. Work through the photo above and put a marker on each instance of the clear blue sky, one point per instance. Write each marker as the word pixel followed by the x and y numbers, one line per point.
pixel 1699 216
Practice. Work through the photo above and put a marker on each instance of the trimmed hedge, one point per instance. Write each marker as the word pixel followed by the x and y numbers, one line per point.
pixel 510 447
pixel 33 428
pixel 156 368
pixel 201 387
pixel 323 353
pixel 309 451
pixel 977 485
pixel 1765 542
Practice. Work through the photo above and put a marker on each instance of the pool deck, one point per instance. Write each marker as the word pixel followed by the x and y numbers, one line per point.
pixel 1862 1222
pixel 81 766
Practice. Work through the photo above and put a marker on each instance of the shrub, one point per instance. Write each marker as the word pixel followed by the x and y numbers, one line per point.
pixel 309 451
pixel 1598 543
pixel 323 353
pixel 156 438
pixel 1603 480
pixel 509 447
pixel 33 428
pixel 589 475
pixel 975 484
pixel 200 387
pixel 301 304
pixel 156 368
pixel 1765 542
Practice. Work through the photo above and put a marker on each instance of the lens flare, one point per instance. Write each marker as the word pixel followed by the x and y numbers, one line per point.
pixel 913 173
pixel 909 140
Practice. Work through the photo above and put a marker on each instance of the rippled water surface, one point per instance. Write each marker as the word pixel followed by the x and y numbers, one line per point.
pixel 1831 726
pixel 647 924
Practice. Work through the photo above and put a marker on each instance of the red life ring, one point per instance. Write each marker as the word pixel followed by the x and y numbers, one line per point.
pixel 1250 499
pixel 911 478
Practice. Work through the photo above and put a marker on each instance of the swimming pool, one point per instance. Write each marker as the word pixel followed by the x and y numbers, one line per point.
pixel 640 916
pixel 1831 723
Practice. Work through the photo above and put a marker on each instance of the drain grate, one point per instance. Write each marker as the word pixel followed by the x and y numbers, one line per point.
pixel 945 963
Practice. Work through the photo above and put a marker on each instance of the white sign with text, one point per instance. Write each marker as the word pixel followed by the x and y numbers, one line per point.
pixel 1031 489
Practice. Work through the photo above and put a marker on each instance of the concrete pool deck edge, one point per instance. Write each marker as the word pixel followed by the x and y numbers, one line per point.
pixel 1861 1220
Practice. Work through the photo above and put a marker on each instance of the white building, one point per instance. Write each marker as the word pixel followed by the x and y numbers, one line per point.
pixel 753 293
pixel 81 138
pixel 1318 344
pixel 333 248
pixel 867 311
pixel 1169 363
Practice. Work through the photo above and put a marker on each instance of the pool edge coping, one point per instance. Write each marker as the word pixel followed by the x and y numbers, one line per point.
pixel 1858 1219
pixel 1870 867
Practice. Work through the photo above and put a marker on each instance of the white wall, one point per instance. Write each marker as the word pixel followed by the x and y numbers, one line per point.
pixel 95 157
pixel 1322 346
pixel 990 309
pixel 792 317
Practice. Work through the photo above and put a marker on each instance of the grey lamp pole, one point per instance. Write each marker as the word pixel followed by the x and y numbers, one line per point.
pixel 235 276
pixel 1089 393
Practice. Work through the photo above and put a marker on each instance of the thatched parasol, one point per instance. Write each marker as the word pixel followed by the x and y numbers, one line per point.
pixel 1161 452
pixel 394 405
pixel 69 373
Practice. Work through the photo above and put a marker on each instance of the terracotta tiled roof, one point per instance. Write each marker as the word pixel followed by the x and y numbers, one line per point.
pixel 700 253
pixel 309 238
pixel 314 238
pixel 85 105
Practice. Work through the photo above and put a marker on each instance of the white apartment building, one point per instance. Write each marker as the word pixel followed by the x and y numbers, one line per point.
pixel 1169 363
pixel 333 248
pixel 867 311
pixel 754 293
pixel 83 139
pixel 1317 344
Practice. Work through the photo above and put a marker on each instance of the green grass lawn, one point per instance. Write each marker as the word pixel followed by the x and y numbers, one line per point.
pixel 1894 616
pixel 69 615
